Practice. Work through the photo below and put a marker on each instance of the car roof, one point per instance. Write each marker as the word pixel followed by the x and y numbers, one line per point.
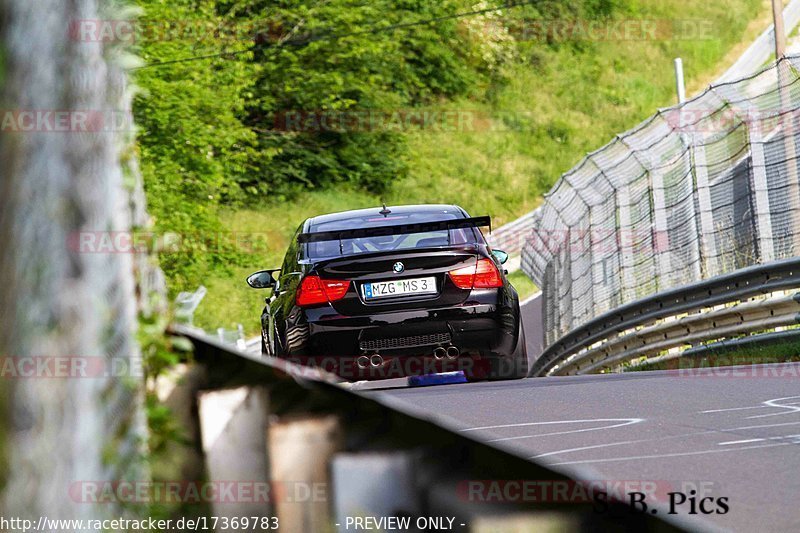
pixel 428 209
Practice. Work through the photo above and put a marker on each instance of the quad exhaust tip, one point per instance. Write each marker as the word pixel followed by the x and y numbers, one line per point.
pixel 376 359
pixel 362 362
pixel 453 352
pixel 440 353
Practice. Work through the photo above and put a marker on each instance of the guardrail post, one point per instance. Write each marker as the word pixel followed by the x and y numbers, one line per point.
pixel 300 451
pixel 360 486
pixel 232 424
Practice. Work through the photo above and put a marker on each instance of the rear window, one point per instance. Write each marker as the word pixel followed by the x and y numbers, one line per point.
pixel 389 243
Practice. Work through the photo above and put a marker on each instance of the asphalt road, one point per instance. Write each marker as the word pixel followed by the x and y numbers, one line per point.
pixel 734 433
pixel 531 313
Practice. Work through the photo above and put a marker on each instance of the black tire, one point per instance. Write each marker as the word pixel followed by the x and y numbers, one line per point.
pixel 513 366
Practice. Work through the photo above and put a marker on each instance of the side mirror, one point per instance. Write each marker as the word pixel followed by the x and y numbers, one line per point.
pixel 263 279
pixel 500 255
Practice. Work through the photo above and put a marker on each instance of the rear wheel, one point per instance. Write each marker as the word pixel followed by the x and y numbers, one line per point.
pixel 513 366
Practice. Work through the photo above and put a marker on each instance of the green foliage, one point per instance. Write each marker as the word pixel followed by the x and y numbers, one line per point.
pixel 211 129
pixel 552 103
pixel 322 60
pixel 166 437
pixel 160 350
pixel 191 138
pixel 216 155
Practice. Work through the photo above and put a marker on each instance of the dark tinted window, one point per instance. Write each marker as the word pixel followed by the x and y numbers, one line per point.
pixel 292 254
pixel 388 243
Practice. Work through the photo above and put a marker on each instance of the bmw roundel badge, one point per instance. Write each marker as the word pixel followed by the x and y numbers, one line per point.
pixel 398 267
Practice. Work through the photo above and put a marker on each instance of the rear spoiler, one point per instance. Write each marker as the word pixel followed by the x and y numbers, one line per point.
pixel 382 231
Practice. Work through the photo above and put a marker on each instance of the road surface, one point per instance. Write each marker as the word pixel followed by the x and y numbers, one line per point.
pixel 733 433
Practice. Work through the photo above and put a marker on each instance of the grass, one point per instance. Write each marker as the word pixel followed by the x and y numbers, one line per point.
pixel 524 285
pixel 783 351
pixel 559 104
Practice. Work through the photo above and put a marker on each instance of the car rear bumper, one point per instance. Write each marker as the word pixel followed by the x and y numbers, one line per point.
pixel 473 328
pixel 396 366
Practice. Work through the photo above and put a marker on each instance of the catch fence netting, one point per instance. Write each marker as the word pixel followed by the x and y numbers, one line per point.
pixel 697 190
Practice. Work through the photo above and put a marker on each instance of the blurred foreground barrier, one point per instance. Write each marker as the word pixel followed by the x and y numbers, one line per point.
pixel 68 171
pixel 317 457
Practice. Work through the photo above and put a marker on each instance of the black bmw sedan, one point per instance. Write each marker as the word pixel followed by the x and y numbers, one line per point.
pixel 391 292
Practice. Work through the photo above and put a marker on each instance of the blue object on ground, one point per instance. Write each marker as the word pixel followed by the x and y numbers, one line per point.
pixel 437 379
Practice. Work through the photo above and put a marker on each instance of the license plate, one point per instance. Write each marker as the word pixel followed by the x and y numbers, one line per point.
pixel 382 289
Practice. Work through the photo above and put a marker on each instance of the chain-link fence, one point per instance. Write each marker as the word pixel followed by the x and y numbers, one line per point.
pixel 697 190
pixel 511 237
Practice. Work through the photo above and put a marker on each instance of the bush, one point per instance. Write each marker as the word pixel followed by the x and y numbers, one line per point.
pixel 210 132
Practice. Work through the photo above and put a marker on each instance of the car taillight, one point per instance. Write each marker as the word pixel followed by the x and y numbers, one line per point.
pixel 335 288
pixel 484 275
pixel 487 276
pixel 315 291
pixel 463 277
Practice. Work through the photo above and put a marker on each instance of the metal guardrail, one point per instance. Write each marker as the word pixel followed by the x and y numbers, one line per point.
pixel 759 341
pixel 604 330
pixel 650 341
pixel 373 455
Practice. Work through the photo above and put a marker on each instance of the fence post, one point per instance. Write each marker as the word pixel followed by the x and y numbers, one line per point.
pixel 233 426
pixel 660 225
pixel 659 211
pixel 703 190
pixel 766 246
pixel 627 277
pixel 787 113
pixel 586 253
pixel 697 262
